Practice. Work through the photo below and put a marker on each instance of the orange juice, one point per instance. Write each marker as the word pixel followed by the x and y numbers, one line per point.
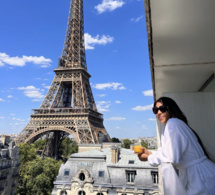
pixel 137 149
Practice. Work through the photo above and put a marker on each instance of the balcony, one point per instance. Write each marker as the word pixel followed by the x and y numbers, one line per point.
pixel 5 167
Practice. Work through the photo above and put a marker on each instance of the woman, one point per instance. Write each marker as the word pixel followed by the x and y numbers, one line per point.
pixel 184 163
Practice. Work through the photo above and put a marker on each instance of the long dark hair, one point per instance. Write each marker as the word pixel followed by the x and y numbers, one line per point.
pixel 175 112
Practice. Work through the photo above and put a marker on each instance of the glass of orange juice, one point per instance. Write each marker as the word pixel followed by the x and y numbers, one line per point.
pixel 137 148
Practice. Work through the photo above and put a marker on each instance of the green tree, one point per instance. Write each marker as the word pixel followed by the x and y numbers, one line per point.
pixel 68 147
pixel 38 176
pixel 144 144
pixel 115 140
pixel 126 143
pixel 40 144
pixel 27 152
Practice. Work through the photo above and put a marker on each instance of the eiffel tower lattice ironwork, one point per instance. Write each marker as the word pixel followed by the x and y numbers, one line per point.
pixel 69 106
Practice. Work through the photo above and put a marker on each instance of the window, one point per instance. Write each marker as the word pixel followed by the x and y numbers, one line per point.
pixel 63 192
pixel 82 176
pixel 101 173
pixel 13 193
pixel 81 193
pixel 131 162
pixel 130 176
pixel 99 193
pixel 154 177
pixel 3 164
pixel 15 163
pixel 66 171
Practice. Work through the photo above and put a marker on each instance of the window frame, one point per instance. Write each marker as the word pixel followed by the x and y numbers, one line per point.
pixel 155 177
pixel 102 173
pixel 131 162
pixel 130 176
pixel 79 192
pixel 66 172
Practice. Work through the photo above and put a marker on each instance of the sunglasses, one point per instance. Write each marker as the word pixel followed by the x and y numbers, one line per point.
pixel 162 108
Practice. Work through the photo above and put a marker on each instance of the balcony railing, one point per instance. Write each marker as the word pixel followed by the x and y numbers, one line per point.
pixel 5 167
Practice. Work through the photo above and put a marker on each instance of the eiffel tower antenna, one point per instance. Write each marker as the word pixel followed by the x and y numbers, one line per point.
pixel 69 106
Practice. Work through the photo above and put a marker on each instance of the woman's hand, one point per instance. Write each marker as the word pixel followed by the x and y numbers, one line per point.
pixel 143 155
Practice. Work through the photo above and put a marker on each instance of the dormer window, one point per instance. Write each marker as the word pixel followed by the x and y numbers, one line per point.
pixel 63 192
pixel 130 176
pixel 101 173
pixel 66 171
pixel 131 162
pixel 82 176
pixel 154 177
pixel 81 192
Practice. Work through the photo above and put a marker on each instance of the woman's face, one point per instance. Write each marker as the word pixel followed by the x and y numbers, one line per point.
pixel 163 117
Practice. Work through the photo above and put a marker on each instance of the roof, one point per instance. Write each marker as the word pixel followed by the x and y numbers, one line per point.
pixel 126 155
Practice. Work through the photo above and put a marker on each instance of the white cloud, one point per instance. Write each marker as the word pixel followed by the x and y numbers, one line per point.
pixel 109 5
pixel 144 127
pixel 143 108
pixel 118 102
pixel 21 61
pixel 45 86
pixel 112 85
pixel 152 119
pixel 9 96
pixel 90 41
pixel 136 19
pixel 103 106
pixel 12 114
pixel 101 95
pixel 32 92
pixel 2 117
pixel 116 118
pixel 17 119
pixel 36 100
pixel 148 92
pixel 118 127
pixel 17 124
pixel 1 100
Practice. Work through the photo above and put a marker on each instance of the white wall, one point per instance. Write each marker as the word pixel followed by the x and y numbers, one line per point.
pixel 199 109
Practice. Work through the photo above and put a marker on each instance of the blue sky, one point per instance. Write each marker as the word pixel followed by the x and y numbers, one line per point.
pixel 31 41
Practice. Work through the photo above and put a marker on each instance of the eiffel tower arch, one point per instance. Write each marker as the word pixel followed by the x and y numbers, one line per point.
pixel 68 107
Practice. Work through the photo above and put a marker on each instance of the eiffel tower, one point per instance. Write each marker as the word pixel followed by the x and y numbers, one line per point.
pixel 68 107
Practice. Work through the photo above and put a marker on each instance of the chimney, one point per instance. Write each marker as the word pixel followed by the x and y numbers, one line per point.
pixel 115 151
pixel 5 139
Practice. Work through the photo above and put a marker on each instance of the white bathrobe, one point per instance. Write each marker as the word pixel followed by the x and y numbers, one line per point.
pixel 185 169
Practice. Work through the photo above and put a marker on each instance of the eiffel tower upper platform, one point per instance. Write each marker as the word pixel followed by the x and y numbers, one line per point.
pixel 69 106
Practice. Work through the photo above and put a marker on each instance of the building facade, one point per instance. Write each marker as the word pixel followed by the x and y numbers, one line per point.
pixel 103 171
pixel 9 166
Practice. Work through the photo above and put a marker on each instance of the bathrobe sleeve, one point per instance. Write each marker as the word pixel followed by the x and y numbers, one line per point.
pixel 173 144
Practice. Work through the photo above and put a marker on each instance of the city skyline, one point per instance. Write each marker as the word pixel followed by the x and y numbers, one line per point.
pixel 117 59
